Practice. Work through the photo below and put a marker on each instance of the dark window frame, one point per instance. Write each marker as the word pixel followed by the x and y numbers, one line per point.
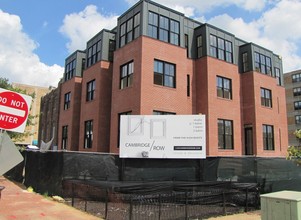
pixel 297 91
pixel 266 97
pixel 94 53
pixel 129 30
pixel 225 134
pixel 70 69
pixel 298 119
pixel 126 75
pixel 90 94
pixel 263 64
pixel 65 137
pixel 268 137
pixel 119 116
pixel 245 62
pixel 278 76
pixel 296 77
pixel 297 105
pixel 221 48
pixel 199 42
pixel 88 134
pixel 67 100
pixel 224 87
pixel 164 74
pixel 156 112
pixel 163 28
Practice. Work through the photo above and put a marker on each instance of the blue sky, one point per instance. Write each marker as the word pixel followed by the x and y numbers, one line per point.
pixel 37 35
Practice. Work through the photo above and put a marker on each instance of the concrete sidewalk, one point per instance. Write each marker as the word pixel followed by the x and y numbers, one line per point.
pixel 17 203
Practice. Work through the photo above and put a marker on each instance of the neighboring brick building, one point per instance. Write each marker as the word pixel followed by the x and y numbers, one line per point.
pixel 292 83
pixel 49 116
pixel 33 130
pixel 166 63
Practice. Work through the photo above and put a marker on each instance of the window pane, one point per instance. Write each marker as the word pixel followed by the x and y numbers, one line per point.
pixel 158 79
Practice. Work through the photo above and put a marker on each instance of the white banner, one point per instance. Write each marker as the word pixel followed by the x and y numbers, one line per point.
pixel 163 136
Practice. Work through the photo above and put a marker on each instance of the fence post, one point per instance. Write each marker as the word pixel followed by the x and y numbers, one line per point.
pixel 246 209
pixel 224 204
pixel 106 205
pixel 159 206
pixel 131 207
pixel 186 205
pixel 72 192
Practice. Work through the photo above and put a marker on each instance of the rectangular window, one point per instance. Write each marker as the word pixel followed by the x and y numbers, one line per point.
pixel 297 105
pixel 297 91
pixel 122 34
pixel 296 77
pixel 266 97
pixel 263 64
pixel 64 137
pixel 163 113
pixel 67 100
pixel 129 30
pixel 221 48
pixel 224 87
pixel 119 116
pixel 88 138
pixel 200 46
pixel 298 119
pixel 187 44
pixel 174 32
pixel 164 74
pixel 213 46
pixel 188 85
pixel 225 134
pixel 136 25
pixel 153 24
pixel 90 90
pixel 70 69
pixel 126 75
pixel 268 137
pixel 257 62
pixel 94 53
pixel 112 47
pixel 278 76
pixel 245 62
pixel 229 53
pixel 163 28
pixel 268 66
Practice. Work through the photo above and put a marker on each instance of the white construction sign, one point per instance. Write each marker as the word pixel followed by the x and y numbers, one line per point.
pixel 163 136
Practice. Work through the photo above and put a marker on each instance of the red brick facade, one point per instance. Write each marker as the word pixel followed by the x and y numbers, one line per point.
pixel 244 109
pixel 202 56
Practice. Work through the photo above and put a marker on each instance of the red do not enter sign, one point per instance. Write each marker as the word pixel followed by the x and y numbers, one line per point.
pixel 14 110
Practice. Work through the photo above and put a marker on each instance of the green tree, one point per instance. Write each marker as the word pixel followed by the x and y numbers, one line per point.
pixel 15 136
pixel 294 152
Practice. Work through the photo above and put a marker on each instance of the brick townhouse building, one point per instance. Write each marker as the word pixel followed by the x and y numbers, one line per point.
pixel 157 61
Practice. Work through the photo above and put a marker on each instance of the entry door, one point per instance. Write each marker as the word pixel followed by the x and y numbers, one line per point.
pixel 249 141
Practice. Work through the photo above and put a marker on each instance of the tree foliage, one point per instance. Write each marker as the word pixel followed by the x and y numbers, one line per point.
pixel 4 84
pixel 294 152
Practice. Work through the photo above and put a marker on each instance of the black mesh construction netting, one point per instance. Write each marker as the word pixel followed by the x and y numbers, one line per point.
pixel 227 182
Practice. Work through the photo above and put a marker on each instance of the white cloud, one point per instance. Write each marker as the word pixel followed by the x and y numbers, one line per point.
pixel 277 29
pixel 81 27
pixel 188 6
pixel 18 62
